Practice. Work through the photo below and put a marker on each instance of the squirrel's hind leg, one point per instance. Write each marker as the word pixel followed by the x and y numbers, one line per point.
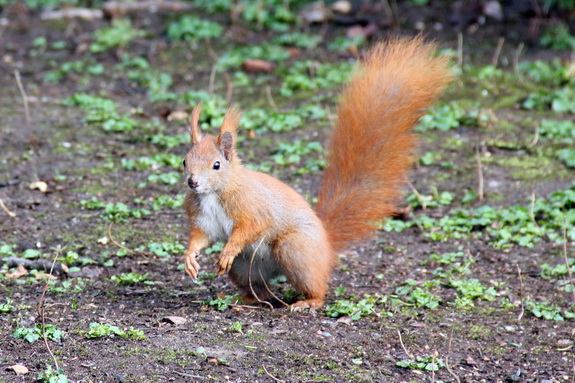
pixel 308 266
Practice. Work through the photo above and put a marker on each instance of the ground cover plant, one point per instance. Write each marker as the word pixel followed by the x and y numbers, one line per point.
pixel 472 280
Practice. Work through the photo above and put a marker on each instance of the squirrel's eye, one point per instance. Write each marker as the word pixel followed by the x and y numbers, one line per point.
pixel 184 163
pixel 216 165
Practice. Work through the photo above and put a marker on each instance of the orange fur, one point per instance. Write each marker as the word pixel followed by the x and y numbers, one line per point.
pixel 270 229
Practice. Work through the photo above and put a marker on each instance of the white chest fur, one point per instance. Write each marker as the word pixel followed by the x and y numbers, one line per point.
pixel 213 219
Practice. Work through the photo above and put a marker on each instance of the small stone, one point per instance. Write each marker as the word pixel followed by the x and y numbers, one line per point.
pixel 493 9
pixel 315 12
pixel 341 6
pixel 174 320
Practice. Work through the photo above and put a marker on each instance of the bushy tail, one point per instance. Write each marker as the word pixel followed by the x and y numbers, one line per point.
pixel 372 146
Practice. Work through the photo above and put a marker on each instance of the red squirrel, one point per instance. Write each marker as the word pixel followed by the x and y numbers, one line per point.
pixel 269 228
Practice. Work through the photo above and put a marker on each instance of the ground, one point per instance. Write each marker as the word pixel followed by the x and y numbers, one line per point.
pixel 469 282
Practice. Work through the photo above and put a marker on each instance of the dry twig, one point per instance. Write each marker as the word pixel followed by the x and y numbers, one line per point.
pixel 433 366
pixel 479 175
pixel 229 83
pixel 460 49
pixel 189 375
pixel 41 312
pixel 497 53
pixel 270 98
pixel 24 97
pixel 250 276
pixel 532 209
pixel 271 376
pixel 520 294
pixel 535 136
pixel 212 79
pixel 516 58
pixel 403 346
pixel 271 292
pixel 565 258
pixel 448 353
pixel 419 197
pixel 229 86
pixel 130 251
pixel 119 8
pixel 572 368
pixel 10 214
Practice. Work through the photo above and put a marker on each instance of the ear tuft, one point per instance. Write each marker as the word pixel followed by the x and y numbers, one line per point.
pixel 195 134
pixel 231 120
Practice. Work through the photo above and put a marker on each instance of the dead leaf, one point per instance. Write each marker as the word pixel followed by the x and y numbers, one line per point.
pixel 174 320
pixel 39 185
pixel 470 361
pixel 19 272
pixel 293 51
pixel 46 275
pixel 258 66
pixel 217 361
pixel 344 320
pixel 177 115
pixel 19 369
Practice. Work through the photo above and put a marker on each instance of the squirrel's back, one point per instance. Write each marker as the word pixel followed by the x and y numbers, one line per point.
pixel 372 146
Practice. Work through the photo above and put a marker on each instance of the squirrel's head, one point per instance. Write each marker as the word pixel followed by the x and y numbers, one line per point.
pixel 208 164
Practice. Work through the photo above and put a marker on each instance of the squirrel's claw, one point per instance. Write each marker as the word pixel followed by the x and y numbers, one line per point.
pixel 192 267
pixel 225 263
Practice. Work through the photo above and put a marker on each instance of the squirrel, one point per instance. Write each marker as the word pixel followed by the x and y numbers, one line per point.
pixel 268 227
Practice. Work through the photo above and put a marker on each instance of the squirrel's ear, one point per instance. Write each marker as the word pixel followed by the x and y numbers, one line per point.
pixel 195 134
pixel 228 131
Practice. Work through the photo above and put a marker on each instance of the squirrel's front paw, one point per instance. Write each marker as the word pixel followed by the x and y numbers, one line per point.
pixel 191 265
pixel 225 262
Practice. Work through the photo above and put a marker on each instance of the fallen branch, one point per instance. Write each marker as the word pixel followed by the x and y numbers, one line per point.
pixel 37 264
pixel 113 9
pixel 73 13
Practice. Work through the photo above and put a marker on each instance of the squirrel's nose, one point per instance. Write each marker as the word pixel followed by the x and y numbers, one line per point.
pixel 191 183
